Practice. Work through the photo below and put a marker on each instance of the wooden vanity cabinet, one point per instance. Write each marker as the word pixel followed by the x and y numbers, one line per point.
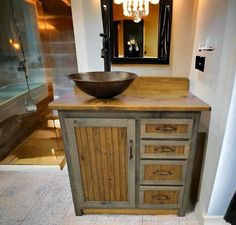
pixel 134 160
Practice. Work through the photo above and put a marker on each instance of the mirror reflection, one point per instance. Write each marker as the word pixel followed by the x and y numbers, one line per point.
pixel 137 39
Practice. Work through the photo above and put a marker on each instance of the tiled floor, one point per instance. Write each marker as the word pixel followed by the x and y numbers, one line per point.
pixel 32 195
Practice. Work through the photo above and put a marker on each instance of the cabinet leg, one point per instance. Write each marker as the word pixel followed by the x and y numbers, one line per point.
pixel 78 212
pixel 181 212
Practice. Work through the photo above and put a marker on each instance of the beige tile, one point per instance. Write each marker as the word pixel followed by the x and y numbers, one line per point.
pixel 119 220
pixel 150 218
pixel 167 222
pixel 189 222
pixel 110 217
pixel 43 196
pixel 71 219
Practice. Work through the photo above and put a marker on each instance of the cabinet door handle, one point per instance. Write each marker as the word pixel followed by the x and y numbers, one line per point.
pixel 131 149
pixel 161 197
pixel 166 129
pixel 164 149
pixel 163 172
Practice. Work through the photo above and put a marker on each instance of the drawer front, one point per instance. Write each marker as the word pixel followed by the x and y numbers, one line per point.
pixel 162 172
pixel 160 197
pixel 166 128
pixel 151 149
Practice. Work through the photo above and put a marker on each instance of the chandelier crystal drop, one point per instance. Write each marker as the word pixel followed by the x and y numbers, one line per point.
pixel 136 8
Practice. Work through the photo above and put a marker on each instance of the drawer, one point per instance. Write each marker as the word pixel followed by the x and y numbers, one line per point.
pixel 160 197
pixel 164 172
pixel 154 149
pixel 166 128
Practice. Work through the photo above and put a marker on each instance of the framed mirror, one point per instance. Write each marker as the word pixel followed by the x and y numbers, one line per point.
pixel 144 40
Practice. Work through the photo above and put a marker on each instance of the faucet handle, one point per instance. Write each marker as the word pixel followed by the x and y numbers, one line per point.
pixel 102 53
pixel 103 35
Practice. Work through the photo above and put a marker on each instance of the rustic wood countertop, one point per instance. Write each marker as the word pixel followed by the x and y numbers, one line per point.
pixel 144 94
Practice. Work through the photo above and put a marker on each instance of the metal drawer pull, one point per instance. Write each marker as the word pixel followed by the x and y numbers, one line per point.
pixel 166 129
pixel 131 149
pixel 161 197
pixel 164 149
pixel 163 172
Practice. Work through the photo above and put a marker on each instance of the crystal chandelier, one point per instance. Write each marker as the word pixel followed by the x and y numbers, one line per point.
pixel 136 8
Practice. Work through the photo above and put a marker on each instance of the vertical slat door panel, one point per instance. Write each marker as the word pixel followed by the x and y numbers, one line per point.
pixel 107 173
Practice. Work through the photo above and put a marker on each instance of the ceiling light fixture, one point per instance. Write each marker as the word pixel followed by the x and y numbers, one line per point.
pixel 136 8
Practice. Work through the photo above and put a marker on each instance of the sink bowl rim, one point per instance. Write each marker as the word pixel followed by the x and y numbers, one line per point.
pixel 132 76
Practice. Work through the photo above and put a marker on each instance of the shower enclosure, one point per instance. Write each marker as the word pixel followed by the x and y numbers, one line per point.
pixel 13 88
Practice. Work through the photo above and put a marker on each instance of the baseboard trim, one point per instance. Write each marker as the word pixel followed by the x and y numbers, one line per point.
pixel 204 219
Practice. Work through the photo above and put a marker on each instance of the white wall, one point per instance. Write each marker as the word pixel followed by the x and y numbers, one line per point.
pixel 215 19
pixel 225 182
pixel 88 24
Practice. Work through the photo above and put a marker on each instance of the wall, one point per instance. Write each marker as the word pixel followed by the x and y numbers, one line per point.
pixel 57 39
pixel 215 19
pixel 225 182
pixel 88 24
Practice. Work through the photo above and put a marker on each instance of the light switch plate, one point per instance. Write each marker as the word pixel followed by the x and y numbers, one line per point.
pixel 200 63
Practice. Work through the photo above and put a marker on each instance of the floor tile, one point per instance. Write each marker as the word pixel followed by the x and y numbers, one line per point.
pixel 110 217
pixel 43 197
pixel 160 218
pixel 53 208
pixel 190 222
pixel 71 219
pixel 189 219
pixel 11 222
pixel 18 198
pixel 6 179
pixel 119 220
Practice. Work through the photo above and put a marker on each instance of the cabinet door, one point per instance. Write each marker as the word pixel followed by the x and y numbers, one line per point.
pixel 105 160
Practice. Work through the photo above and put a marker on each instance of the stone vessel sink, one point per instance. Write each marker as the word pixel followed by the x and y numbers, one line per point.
pixel 103 84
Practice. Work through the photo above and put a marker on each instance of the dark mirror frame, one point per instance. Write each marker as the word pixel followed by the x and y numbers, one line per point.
pixel 164 33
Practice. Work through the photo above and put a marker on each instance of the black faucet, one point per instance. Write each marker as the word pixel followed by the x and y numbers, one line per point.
pixel 106 21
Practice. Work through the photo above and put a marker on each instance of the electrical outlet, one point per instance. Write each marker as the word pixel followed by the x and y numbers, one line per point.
pixel 200 63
